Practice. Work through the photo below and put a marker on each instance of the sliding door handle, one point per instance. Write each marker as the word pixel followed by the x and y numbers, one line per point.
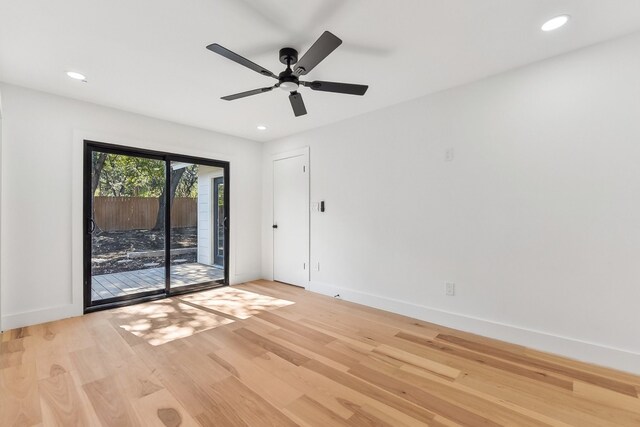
pixel 92 226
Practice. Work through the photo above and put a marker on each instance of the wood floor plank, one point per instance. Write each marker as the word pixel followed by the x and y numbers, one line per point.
pixel 365 415
pixel 357 342
pixel 564 406
pixel 239 397
pixel 225 338
pixel 597 380
pixel 325 355
pixel 298 378
pixel 421 397
pixel 503 412
pixel 274 390
pixel 89 365
pixel 273 347
pixel 307 411
pixel 318 348
pixel 61 403
pixel 352 401
pixel 410 361
pixel 112 407
pixel 278 355
pixel 19 395
pixel 12 352
pixel 534 374
pixel 605 396
pixel 192 396
pixel 161 409
pixel 297 328
pixel 377 393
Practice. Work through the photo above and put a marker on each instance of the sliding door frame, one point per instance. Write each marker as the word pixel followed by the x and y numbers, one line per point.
pixel 88 147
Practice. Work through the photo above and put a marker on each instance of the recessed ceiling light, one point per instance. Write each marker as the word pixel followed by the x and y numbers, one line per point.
pixel 261 127
pixel 77 76
pixel 555 23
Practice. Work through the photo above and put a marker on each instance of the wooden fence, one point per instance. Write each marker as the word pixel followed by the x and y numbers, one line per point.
pixel 135 213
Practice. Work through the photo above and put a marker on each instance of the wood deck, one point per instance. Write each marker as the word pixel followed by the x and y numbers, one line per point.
pixel 150 279
pixel 267 354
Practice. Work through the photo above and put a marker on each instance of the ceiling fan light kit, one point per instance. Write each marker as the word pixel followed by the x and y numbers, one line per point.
pixel 288 80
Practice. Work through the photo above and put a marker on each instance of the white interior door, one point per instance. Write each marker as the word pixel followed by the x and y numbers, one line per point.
pixel 291 220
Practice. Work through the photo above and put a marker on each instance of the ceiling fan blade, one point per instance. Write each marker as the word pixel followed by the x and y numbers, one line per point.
pixel 215 47
pixel 326 44
pixel 346 88
pixel 297 104
pixel 247 93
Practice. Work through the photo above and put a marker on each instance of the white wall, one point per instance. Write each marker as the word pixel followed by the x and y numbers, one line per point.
pixel 41 212
pixel 536 220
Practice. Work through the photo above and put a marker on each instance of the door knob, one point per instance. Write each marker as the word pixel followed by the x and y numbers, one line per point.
pixel 275 225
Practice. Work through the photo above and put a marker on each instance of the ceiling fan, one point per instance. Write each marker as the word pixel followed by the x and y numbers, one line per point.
pixel 288 79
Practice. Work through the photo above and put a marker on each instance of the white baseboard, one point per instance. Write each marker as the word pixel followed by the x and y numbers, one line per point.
pixel 243 278
pixel 19 320
pixel 590 352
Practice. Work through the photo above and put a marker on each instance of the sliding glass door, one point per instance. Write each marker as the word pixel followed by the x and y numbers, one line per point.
pixel 197 222
pixel 127 236
pixel 156 224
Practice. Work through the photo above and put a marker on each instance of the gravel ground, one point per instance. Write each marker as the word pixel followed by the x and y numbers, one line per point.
pixel 109 248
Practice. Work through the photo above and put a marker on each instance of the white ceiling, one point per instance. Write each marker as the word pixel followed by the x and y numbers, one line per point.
pixel 149 56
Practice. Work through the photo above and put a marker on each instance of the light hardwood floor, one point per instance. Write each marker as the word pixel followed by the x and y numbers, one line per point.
pixel 267 354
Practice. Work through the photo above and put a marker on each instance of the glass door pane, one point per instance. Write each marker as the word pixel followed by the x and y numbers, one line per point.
pixel 197 225
pixel 127 225
pixel 218 222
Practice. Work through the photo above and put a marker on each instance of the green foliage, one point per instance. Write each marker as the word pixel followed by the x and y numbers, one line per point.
pixel 124 176
pixel 221 195
pixel 128 176
pixel 188 186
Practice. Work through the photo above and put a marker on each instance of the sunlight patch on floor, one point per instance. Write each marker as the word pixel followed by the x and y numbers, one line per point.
pixel 160 322
pixel 235 302
pixel 163 321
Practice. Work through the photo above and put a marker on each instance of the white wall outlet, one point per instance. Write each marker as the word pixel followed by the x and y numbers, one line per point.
pixel 450 289
pixel 449 154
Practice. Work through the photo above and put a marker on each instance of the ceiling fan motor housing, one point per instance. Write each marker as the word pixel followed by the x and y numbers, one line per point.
pixel 288 56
